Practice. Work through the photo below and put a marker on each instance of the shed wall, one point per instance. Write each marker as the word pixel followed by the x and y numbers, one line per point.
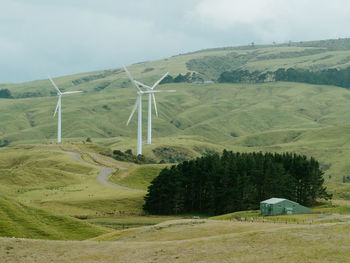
pixel 283 207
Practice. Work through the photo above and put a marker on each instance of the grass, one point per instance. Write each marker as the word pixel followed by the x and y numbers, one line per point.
pixel 128 221
pixel 41 176
pixel 323 213
pixel 176 230
pixel 307 119
pixel 198 119
pixel 41 181
pixel 185 241
pixel 18 220
pixel 237 215
pixel 138 178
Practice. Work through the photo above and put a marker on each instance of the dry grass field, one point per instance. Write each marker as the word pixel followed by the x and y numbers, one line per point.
pixel 194 241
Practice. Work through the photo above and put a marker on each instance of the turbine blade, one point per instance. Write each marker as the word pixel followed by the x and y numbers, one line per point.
pixel 143 85
pixel 72 92
pixel 155 104
pixel 58 103
pixel 131 78
pixel 53 83
pixel 156 84
pixel 158 91
pixel 133 111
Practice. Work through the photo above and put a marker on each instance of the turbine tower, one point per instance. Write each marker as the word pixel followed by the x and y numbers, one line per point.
pixel 150 91
pixel 58 107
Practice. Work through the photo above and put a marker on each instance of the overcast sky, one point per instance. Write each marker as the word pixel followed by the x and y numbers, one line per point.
pixel 61 37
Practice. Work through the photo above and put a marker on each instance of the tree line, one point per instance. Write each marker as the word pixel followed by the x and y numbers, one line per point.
pixel 4 142
pixel 5 94
pixel 188 77
pixel 337 77
pixel 217 184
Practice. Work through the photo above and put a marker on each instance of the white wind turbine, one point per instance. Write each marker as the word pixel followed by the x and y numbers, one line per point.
pixel 150 91
pixel 58 107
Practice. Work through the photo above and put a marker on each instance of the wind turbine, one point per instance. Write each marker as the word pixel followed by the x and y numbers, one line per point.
pixel 58 107
pixel 150 91
pixel 151 97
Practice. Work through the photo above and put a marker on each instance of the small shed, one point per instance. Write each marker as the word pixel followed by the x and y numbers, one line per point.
pixel 278 206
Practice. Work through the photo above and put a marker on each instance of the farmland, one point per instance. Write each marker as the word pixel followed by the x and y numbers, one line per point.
pixel 48 197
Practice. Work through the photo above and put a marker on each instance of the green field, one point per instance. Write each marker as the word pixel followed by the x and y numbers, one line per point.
pixel 138 177
pixel 18 220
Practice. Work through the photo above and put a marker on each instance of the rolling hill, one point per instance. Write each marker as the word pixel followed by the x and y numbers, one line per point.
pixel 47 177
pixel 198 118
pixel 45 186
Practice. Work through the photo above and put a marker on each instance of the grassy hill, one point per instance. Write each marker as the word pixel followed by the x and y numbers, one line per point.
pixel 18 220
pixel 197 119
pixel 103 109
pixel 308 119
pixel 40 179
pixel 49 178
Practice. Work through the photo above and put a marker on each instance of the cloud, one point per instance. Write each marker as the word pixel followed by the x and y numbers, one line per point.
pixel 277 19
pixel 60 38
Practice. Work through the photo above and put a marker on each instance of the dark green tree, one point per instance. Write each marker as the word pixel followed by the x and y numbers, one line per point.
pixel 230 182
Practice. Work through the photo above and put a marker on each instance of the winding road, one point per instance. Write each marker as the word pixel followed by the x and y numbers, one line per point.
pixel 103 175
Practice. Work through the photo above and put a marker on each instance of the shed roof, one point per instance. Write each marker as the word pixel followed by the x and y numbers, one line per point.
pixel 274 200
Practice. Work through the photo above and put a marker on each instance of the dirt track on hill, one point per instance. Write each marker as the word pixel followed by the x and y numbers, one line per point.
pixel 103 175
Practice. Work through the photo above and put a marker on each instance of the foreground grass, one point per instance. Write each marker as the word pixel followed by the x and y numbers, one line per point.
pixel 128 221
pixel 195 241
pixel 326 212
pixel 18 220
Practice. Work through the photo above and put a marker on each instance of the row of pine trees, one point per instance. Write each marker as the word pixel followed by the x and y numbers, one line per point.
pixel 337 77
pixel 217 184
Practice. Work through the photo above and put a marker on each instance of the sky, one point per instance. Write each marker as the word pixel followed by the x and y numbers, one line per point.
pixel 62 37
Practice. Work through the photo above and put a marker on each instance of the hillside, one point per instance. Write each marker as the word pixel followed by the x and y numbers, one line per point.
pixel 309 119
pixel 18 220
pixel 276 116
pixel 49 178
pixel 48 184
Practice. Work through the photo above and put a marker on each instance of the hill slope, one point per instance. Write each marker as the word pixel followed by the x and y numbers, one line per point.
pixel 297 117
pixel 277 116
pixel 18 220
pixel 49 178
